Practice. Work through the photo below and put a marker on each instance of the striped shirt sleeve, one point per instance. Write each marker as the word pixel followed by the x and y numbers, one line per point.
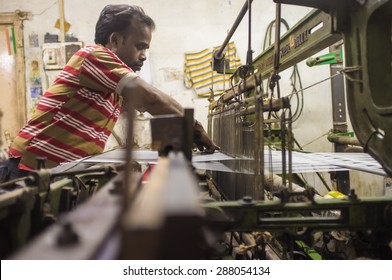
pixel 102 70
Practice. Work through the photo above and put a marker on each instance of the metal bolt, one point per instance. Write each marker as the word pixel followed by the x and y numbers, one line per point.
pixel 41 163
pixel 117 188
pixel 352 195
pixel 67 235
pixel 247 200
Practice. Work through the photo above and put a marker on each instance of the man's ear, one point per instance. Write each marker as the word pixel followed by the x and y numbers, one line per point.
pixel 115 39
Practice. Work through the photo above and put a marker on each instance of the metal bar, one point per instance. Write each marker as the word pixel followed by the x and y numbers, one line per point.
pixel 283 146
pixel 290 154
pixel 309 36
pixel 84 241
pixel 259 147
pixel 249 58
pixel 237 22
pixel 277 40
pixel 127 189
pixel 325 5
pixel 168 203
pixel 62 21
pixel 275 105
pixel 355 214
pixel 306 38
pixel 188 133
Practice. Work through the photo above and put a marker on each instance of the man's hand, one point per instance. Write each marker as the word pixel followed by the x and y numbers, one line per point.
pixel 202 140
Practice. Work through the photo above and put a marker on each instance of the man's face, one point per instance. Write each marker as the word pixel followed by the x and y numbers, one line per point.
pixel 132 48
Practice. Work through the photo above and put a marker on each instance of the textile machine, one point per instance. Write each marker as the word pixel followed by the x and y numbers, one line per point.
pixel 252 121
pixel 249 202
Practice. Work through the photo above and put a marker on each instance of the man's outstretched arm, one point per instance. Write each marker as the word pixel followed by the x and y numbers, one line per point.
pixel 146 97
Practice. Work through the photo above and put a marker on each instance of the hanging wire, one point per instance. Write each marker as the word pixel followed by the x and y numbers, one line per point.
pixel 46 9
pixel 299 97
pixel 315 84
pixel 295 77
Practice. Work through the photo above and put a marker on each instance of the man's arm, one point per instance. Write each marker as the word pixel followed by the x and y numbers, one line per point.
pixel 154 101
pixel 143 95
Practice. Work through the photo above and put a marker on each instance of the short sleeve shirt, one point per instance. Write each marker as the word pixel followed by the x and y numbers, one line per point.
pixel 77 113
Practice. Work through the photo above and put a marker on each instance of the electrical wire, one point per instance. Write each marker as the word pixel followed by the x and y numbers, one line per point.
pixel 46 9
pixel 295 77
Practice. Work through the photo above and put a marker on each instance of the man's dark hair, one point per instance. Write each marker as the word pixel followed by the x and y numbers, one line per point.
pixel 117 18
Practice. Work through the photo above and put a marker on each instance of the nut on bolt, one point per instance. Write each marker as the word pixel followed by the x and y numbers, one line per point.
pixel 117 188
pixel 247 200
pixel 67 235
pixel 352 195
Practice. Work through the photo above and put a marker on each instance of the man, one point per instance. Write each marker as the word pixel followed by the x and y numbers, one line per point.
pixel 77 113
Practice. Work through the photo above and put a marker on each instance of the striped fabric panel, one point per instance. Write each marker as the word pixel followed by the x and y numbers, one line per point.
pixel 98 102
pixel 82 127
pixel 199 74
pixel 68 79
pixel 51 103
pixel 55 150
pixel 102 70
pixel 93 71
pixel 30 130
pixel 76 115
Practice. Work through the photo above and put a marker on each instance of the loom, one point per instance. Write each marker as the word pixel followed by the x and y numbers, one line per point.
pixel 252 120
pixel 238 113
pixel 246 201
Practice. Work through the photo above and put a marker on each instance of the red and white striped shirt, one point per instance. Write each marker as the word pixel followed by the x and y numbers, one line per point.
pixel 77 113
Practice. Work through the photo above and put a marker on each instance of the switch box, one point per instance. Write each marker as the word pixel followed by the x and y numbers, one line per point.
pixel 51 56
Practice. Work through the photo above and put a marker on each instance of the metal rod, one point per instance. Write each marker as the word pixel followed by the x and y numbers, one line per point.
pixel 32 179
pixel 283 137
pixel 244 9
pixel 274 105
pixel 290 142
pixel 259 147
pixel 275 75
pixel 249 53
pixel 105 169
pixel 127 188
pixel 62 20
pixel 316 42
pixel 277 40
pixel 189 133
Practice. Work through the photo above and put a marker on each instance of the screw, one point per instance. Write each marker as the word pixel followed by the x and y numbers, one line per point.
pixel 67 235
pixel 352 195
pixel 117 188
pixel 247 200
